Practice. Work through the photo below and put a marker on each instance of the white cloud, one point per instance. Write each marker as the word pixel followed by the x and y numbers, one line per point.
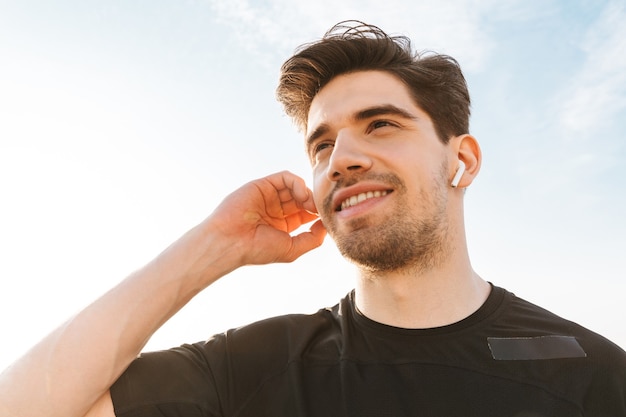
pixel 597 93
pixel 459 28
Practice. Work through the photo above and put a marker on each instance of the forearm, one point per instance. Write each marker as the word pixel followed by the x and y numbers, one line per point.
pixel 70 369
pixel 67 372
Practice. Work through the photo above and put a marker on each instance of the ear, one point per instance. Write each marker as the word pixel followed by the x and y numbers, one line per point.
pixel 466 149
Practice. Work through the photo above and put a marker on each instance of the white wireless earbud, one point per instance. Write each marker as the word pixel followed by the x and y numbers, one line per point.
pixel 459 173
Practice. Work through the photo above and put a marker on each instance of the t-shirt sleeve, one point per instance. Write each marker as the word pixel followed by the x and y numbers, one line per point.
pixel 175 382
pixel 232 371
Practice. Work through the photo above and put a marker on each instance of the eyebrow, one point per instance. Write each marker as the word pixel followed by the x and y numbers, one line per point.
pixel 385 109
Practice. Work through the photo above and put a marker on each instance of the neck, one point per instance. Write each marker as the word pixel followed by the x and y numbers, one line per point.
pixel 424 299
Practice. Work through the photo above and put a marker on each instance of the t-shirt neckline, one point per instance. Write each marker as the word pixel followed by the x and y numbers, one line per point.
pixel 490 306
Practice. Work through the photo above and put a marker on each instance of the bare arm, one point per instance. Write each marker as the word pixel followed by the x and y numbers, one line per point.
pixel 70 371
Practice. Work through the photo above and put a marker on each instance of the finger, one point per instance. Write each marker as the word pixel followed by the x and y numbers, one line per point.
pixel 291 202
pixel 298 219
pixel 292 207
pixel 297 186
pixel 307 241
pixel 291 186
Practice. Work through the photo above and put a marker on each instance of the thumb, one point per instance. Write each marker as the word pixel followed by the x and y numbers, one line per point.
pixel 307 241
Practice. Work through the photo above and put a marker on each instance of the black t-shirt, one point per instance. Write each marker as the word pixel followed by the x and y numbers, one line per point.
pixel 509 358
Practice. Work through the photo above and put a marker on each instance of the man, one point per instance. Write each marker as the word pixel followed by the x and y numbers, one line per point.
pixel 422 334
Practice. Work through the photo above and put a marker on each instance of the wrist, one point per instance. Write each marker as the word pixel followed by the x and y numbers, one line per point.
pixel 201 256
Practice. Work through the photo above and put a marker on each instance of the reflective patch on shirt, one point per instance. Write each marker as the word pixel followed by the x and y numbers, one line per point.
pixel 535 348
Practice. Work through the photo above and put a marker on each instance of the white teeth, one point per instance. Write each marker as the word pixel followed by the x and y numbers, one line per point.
pixel 359 198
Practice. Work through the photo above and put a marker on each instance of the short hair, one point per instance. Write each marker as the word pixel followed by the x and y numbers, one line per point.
pixel 435 81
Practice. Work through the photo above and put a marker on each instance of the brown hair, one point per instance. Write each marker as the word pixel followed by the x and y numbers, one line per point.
pixel 435 81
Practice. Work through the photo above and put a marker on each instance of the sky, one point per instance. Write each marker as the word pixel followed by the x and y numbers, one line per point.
pixel 124 123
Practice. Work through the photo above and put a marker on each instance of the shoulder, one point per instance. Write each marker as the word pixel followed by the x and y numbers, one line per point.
pixel 281 338
pixel 540 347
pixel 526 319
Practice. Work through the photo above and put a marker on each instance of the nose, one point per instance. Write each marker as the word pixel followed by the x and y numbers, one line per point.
pixel 349 156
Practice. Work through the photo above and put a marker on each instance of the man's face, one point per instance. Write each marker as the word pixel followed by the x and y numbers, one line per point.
pixel 380 173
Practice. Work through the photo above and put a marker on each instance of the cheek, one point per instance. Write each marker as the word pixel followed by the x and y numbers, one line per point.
pixel 321 188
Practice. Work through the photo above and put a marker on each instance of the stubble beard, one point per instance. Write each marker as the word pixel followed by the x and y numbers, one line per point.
pixel 413 239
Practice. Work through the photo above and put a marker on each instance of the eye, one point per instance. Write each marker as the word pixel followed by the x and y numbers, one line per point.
pixel 321 146
pixel 319 149
pixel 377 124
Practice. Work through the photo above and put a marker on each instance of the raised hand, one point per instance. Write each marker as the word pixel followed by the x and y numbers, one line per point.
pixel 260 216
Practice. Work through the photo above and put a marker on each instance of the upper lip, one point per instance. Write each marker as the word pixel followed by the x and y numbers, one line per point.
pixel 343 194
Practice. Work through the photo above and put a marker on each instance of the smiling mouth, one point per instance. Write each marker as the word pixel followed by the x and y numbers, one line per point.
pixel 361 197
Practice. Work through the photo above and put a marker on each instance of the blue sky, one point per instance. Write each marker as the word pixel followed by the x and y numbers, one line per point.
pixel 123 123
